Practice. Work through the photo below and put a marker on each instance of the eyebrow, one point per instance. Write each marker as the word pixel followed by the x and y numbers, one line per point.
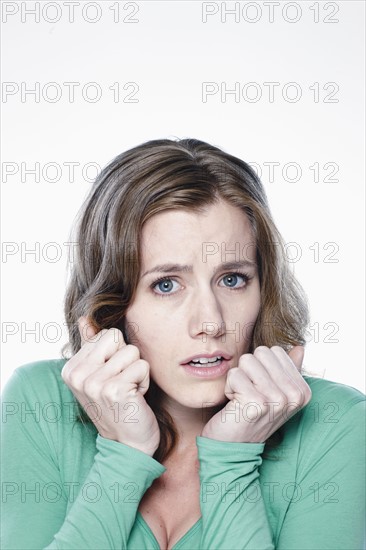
pixel 178 268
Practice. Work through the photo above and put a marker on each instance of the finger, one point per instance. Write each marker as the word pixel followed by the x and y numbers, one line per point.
pixel 291 369
pixel 135 378
pixel 266 373
pixel 92 356
pixel 296 355
pixel 104 345
pixel 256 371
pixel 248 381
pixel 282 371
pixel 121 360
pixel 240 387
pixel 292 362
pixel 86 329
pixel 88 346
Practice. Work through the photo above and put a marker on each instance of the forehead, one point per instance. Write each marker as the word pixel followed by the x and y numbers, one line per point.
pixel 187 236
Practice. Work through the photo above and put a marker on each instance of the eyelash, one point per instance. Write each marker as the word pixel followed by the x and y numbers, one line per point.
pixel 245 276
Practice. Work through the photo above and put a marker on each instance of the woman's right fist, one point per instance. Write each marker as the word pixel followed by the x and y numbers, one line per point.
pixel 109 380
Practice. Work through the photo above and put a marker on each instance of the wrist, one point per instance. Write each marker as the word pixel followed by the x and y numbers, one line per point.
pixel 226 437
pixel 143 448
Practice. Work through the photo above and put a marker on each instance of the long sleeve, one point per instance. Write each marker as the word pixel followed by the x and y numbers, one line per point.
pixel 36 511
pixel 232 508
pixel 105 518
pixel 318 499
pixel 327 509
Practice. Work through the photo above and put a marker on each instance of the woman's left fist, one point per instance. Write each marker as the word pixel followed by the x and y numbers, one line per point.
pixel 264 391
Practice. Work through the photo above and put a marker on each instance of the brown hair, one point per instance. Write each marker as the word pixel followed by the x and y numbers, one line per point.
pixel 141 182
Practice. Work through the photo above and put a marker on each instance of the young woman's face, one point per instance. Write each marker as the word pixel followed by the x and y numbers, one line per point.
pixel 200 306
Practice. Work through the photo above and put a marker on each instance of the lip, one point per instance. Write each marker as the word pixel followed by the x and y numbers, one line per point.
pixel 216 353
pixel 208 372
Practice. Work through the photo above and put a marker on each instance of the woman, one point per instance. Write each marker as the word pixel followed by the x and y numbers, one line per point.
pixel 182 417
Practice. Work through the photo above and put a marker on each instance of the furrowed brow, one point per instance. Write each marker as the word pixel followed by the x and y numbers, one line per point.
pixel 169 268
pixel 178 268
pixel 243 264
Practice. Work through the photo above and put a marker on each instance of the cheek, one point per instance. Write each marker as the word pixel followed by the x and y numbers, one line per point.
pixel 253 311
pixel 146 331
pixel 133 325
pixel 246 314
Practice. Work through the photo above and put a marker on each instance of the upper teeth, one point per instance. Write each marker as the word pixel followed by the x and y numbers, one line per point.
pixel 205 360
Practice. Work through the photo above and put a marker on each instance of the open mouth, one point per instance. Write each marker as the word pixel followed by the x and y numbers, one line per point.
pixel 205 362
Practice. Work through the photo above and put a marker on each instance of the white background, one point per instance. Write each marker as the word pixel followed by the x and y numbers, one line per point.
pixel 169 52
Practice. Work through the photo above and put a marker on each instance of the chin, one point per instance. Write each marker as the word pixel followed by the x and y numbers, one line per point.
pixel 196 397
pixel 205 401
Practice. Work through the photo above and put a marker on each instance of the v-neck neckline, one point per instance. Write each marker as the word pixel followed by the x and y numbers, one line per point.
pixel 180 541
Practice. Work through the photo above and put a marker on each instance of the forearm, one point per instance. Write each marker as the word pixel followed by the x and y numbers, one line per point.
pixel 103 516
pixel 233 511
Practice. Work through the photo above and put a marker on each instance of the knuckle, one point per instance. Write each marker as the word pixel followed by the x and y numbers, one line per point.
pixel 295 396
pixel 144 363
pixel 116 333
pixel 305 393
pixel 68 366
pixel 133 351
pixel 95 338
pixel 279 398
pixel 91 388
pixel 68 371
pixel 233 371
pixel 260 350
pixel 92 339
pixel 308 395
pixel 64 373
pixel 244 359
pixel 110 391
pixel 278 349
pixel 76 381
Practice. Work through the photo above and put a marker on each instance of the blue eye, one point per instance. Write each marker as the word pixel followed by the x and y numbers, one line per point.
pixel 233 278
pixel 165 285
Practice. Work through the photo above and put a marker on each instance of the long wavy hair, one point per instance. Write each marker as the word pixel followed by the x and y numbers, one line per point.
pixel 141 182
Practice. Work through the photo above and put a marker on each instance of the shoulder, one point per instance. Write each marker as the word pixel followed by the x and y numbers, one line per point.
pixel 333 418
pixel 40 417
pixel 36 379
pixel 323 386
pixel 331 398
pixel 335 412
pixel 319 439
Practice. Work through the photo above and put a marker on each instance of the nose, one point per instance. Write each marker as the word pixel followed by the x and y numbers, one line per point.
pixel 205 315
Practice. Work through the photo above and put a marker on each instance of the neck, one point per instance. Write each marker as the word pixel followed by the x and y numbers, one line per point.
pixel 188 422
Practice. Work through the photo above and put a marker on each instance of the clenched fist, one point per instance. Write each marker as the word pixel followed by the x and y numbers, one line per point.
pixel 109 380
pixel 264 391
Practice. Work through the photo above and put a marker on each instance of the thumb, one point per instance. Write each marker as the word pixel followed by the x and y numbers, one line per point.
pixel 136 377
pixel 296 355
pixel 86 329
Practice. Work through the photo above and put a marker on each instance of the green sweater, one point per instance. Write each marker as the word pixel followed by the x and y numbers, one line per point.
pixel 66 487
